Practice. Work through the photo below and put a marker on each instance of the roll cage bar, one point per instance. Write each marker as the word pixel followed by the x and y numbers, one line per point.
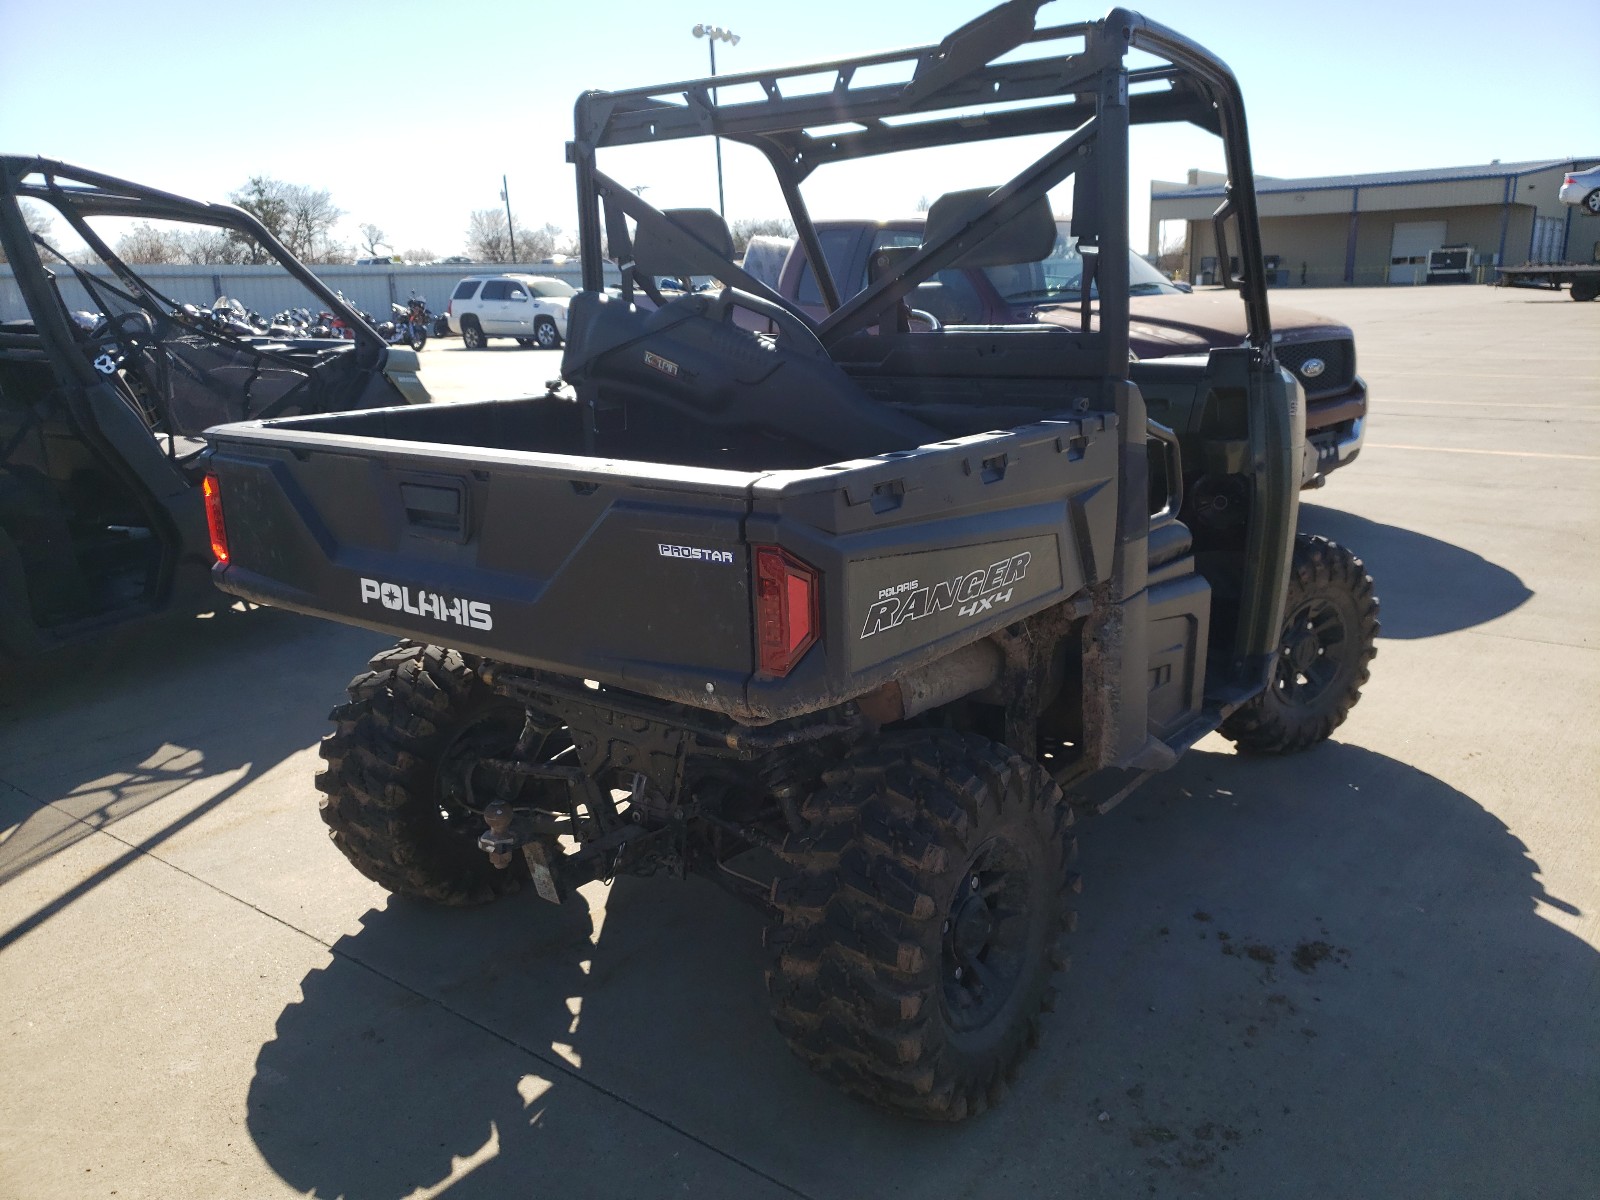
pixel 76 193
pixel 957 92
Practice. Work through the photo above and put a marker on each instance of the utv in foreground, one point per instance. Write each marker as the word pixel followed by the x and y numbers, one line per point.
pixel 848 617
pixel 107 385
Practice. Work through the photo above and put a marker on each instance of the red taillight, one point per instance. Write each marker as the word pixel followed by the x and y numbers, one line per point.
pixel 450 308
pixel 1567 182
pixel 219 531
pixel 788 614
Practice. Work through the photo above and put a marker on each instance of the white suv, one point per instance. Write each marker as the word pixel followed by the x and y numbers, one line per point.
pixel 530 308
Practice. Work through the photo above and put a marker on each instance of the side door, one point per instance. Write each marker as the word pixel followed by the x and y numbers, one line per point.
pixel 519 310
pixel 494 306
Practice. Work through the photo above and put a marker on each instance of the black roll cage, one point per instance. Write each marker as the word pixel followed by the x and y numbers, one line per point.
pixel 1091 96
pixel 76 193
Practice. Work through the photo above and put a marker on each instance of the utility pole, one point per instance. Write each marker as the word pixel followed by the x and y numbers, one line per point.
pixel 714 34
pixel 505 194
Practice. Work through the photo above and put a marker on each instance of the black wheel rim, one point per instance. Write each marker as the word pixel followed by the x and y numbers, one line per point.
pixel 1311 656
pixel 986 936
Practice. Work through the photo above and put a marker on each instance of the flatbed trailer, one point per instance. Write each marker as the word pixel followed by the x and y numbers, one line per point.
pixel 1583 278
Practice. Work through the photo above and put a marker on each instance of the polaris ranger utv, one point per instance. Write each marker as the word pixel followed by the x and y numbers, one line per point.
pixel 851 616
pixel 107 386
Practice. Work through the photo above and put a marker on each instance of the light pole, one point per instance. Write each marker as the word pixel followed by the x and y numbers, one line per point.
pixel 714 34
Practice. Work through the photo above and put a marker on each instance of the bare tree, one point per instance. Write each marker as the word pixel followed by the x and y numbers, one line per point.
pixel 206 245
pixel 300 217
pixel 38 222
pixel 372 237
pixel 312 216
pixel 144 243
pixel 532 245
pixel 746 228
pixel 418 255
pixel 488 238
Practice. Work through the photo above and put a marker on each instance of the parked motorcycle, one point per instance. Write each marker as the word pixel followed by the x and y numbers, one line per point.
pixel 408 324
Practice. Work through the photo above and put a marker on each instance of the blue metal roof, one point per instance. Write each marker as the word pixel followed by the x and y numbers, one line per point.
pixel 1497 170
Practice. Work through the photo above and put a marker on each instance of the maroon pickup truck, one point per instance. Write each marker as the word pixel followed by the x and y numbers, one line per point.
pixel 1165 320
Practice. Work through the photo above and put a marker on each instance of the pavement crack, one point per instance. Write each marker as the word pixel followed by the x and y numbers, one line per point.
pixel 1517 637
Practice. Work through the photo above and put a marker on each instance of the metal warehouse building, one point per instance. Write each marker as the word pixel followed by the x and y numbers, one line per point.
pixel 1378 229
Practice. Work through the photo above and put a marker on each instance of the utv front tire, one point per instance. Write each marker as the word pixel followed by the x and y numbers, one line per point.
pixel 1329 639
pixel 415 723
pixel 917 937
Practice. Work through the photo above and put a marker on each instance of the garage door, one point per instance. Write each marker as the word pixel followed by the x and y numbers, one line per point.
pixel 1547 240
pixel 1408 253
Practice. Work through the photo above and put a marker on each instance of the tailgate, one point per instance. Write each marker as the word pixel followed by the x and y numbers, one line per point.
pixel 638 578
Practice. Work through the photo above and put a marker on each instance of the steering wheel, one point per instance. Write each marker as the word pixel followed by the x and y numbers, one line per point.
pixel 117 338
pixel 797 335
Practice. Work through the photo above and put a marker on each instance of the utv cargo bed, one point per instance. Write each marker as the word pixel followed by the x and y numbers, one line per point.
pixel 641 574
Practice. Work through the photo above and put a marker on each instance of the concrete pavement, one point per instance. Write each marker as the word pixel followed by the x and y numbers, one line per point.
pixel 1370 970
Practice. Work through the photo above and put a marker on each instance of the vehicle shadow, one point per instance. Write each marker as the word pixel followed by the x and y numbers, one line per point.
pixel 1333 975
pixel 1426 586
pixel 149 730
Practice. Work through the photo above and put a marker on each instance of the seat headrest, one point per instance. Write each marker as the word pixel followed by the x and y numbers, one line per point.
pixel 1028 237
pixel 655 254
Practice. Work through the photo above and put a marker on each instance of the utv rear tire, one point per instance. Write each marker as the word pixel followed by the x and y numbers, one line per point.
pixel 1329 639
pixel 472 334
pixel 1585 289
pixel 918 934
pixel 416 719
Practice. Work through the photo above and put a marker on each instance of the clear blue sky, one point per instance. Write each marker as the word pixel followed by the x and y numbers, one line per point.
pixel 410 112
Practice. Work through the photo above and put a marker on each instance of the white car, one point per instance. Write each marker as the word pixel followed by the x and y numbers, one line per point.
pixel 530 308
pixel 1583 189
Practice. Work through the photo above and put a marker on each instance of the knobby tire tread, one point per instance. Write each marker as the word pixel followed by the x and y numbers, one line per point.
pixel 854 976
pixel 378 782
pixel 1320 567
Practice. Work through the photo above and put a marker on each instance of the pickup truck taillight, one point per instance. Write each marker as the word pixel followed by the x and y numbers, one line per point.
pixel 219 531
pixel 788 611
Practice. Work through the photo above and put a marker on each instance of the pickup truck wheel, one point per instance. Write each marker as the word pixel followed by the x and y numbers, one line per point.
pixel 544 333
pixel 918 933
pixel 472 334
pixel 1329 640
pixel 403 745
